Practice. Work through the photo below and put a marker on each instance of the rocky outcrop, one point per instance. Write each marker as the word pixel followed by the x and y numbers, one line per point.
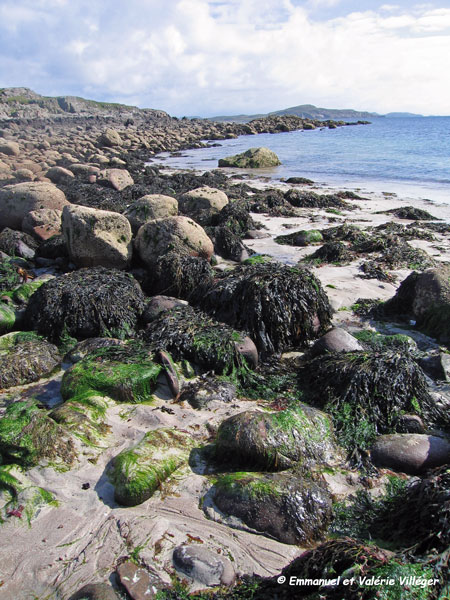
pixel 96 237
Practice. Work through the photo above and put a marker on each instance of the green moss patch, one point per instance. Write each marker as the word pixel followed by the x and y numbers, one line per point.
pixel 139 471
pixel 7 318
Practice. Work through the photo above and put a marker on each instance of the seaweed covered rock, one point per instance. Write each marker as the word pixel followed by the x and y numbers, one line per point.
pixel 83 415
pixel 276 441
pixel 180 234
pixel 410 453
pixel 22 498
pixel 279 306
pixel 9 275
pixel 280 505
pixel 300 238
pixel 331 252
pixel 17 243
pixel 149 207
pixel 17 200
pixel 202 203
pixel 229 245
pixel 28 435
pixel 236 217
pixel 410 212
pixel 206 391
pixel 7 318
pixel 87 303
pixel 86 347
pixel 96 237
pixel 366 392
pixel 302 199
pixel 253 158
pixel 187 333
pixel 177 275
pixel 394 252
pixel 25 358
pixel 157 305
pixel 139 471
pixel 54 247
pixel 426 298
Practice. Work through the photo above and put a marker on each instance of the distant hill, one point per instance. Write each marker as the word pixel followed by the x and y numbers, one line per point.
pixel 402 115
pixel 306 111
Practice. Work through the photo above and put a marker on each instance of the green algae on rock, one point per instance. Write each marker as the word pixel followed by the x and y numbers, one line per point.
pixel 253 158
pixel 28 435
pixel 297 436
pixel 87 303
pixel 284 506
pixel 7 317
pixel 139 471
pixel 300 238
pixel 279 306
pixel 25 357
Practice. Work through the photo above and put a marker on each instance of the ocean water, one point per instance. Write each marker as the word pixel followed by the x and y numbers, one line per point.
pixel 407 156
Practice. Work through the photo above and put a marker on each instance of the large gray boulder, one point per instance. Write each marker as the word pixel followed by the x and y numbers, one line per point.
pixel 253 158
pixel 110 138
pixel 410 453
pixel 17 200
pixel 202 203
pixel 179 234
pixel 96 237
pixel 150 207
pixel 118 179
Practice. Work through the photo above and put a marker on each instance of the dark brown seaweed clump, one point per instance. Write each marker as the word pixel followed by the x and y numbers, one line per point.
pixel 94 302
pixel 280 306
pixel 410 212
pixel 331 252
pixel 366 392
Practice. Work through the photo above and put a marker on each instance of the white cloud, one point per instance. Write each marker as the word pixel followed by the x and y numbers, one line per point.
pixel 227 56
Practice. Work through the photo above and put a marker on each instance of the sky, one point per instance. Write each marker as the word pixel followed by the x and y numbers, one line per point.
pixel 216 57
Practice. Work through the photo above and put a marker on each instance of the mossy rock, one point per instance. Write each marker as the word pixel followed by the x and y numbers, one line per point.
pixel 139 471
pixel 375 341
pixel 280 505
pixel 28 435
pixel 189 334
pixel 87 303
pixel 120 381
pixel 24 358
pixel 7 318
pixel 23 293
pixel 27 504
pixel 366 392
pixel 279 306
pixel 253 158
pixel 276 441
pixel 301 238
pixel 9 276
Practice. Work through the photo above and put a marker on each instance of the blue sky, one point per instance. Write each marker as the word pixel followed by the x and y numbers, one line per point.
pixel 205 57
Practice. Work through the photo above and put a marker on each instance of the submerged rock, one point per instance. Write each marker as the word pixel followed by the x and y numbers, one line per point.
pixel 279 306
pixel 253 158
pixel 279 505
pixel 277 441
pixel 87 303
pixel 410 453
pixel 25 358
pixel 139 471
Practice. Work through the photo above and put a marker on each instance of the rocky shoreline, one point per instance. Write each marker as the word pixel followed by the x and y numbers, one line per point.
pixel 212 384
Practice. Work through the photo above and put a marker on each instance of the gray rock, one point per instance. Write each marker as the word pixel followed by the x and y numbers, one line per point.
pixel 110 138
pixel 410 453
pixel 118 179
pixel 59 175
pixel 248 350
pixel 335 340
pixel 202 203
pixel 208 390
pixel 204 565
pixel 9 148
pixel 17 200
pixel 147 208
pixel 253 158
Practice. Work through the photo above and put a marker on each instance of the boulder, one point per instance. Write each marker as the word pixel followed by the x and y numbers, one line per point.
pixel 206 391
pixel 277 441
pixel 96 237
pixel 42 224
pixel 110 138
pixel 180 234
pixel 425 297
pixel 138 581
pixel 229 245
pixel 150 207
pixel 200 204
pixel 87 303
pixel 139 471
pixel 411 453
pixel 203 565
pixel 117 179
pixel 335 340
pixel 253 158
pixel 17 200
pixel 280 505
pixel 59 175
pixel 9 148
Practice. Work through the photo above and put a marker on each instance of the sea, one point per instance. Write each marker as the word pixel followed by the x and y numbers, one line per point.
pixel 406 156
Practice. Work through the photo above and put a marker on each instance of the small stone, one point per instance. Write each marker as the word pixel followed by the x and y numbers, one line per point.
pixel 139 583
pixel 204 565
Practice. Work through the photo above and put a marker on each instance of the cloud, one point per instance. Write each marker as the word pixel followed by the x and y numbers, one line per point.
pixel 211 57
